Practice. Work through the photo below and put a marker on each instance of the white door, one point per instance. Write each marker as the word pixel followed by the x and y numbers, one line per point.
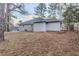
pixel 39 27
pixel 54 26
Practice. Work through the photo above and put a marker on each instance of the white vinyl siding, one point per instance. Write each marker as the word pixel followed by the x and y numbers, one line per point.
pixel 25 27
pixel 21 28
pixel 28 27
pixel 41 27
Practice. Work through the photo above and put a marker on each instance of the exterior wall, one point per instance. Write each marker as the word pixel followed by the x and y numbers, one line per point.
pixel 25 28
pixel 53 26
pixel 39 27
pixel 28 27
pixel 21 28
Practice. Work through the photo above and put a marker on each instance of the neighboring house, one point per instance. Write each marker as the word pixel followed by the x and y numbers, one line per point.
pixel 40 25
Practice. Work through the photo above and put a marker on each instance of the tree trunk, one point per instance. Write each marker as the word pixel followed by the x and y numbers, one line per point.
pixel 2 21
pixel 7 17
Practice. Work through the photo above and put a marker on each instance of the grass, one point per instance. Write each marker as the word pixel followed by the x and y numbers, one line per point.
pixel 43 44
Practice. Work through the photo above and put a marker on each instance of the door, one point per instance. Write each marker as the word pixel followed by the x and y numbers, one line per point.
pixel 39 27
pixel 54 26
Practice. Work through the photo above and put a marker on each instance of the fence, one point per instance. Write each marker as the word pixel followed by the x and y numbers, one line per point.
pixel 76 26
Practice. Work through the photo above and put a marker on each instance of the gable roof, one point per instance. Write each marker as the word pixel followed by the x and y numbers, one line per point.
pixel 37 20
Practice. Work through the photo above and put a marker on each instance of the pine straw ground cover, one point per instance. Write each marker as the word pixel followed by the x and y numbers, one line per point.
pixel 39 44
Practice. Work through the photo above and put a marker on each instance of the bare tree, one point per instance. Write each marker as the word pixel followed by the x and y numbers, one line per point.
pixel 12 8
pixel 2 21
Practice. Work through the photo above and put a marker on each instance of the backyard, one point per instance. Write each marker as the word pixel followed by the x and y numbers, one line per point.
pixel 39 44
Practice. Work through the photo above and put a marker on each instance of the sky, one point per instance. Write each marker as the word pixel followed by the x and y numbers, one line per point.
pixel 30 8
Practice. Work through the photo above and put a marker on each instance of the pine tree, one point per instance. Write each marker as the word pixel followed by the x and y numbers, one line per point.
pixel 71 14
pixel 55 9
pixel 40 10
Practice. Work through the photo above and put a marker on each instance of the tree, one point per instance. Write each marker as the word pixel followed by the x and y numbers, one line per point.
pixel 55 9
pixel 71 15
pixel 51 17
pixel 2 21
pixel 40 10
pixel 20 21
pixel 11 9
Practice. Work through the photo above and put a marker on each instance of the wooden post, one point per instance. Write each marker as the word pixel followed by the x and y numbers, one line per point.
pixel 2 21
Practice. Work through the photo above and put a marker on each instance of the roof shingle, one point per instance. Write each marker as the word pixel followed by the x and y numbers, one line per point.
pixel 37 20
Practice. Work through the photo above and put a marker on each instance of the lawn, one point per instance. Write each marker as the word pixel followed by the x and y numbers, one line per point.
pixel 43 44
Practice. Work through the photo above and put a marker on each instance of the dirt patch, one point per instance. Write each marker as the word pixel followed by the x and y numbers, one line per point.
pixel 43 44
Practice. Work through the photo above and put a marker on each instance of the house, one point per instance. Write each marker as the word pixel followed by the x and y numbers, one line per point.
pixel 40 25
